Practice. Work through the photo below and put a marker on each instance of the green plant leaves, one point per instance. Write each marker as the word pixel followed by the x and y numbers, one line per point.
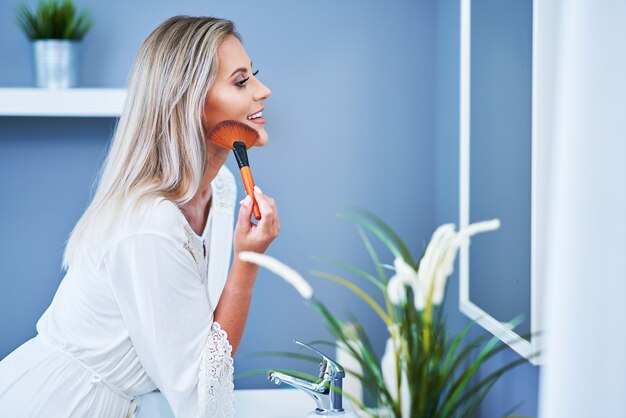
pixel 376 282
pixel 54 19
pixel 441 370
pixel 367 298
pixel 386 229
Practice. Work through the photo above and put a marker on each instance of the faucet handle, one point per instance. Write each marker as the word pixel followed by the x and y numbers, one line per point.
pixel 328 365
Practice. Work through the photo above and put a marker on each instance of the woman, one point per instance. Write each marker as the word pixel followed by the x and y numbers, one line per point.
pixel 148 300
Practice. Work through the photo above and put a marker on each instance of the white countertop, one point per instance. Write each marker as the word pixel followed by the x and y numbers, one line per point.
pixel 249 403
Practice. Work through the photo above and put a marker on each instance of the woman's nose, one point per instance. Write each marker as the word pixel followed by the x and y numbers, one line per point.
pixel 263 92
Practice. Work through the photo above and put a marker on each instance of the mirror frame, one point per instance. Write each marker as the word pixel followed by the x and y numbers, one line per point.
pixel 543 57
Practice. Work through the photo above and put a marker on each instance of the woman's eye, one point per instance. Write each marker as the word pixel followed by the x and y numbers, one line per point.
pixel 242 83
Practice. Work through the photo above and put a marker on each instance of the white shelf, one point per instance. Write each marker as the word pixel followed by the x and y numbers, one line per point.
pixel 72 102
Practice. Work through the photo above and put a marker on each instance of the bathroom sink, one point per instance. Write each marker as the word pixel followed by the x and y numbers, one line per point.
pixel 249 403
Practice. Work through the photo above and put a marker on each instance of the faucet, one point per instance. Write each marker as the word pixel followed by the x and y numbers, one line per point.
pixel 324 390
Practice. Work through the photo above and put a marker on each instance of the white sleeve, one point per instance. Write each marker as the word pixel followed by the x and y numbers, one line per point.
pixel 166 309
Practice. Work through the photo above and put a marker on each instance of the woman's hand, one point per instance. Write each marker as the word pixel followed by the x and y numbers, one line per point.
pixel 256 237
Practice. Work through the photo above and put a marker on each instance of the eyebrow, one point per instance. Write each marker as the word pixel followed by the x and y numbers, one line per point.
pixel 240 69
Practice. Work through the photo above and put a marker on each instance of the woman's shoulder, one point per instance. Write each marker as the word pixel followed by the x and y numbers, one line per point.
pixel 160 216
pixel 156 216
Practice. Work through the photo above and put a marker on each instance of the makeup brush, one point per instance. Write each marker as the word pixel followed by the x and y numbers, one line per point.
pixel 239 137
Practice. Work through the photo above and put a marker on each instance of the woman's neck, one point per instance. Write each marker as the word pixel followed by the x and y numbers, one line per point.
pixel 197 209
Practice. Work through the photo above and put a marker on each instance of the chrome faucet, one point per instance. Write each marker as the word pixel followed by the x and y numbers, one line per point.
pixel 324 390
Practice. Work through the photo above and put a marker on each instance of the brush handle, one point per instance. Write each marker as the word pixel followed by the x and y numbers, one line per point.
pixel 248 184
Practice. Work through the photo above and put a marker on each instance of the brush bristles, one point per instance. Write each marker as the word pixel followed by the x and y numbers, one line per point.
pixel 229 131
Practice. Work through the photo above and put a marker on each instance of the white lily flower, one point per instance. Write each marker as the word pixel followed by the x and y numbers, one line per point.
pixel 395 290
pixel 478 227
pixel 429 265
pixel 437 264
pixel 405 276
pixel 290 275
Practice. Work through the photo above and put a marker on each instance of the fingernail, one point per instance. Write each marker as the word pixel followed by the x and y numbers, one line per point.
pixel 247 200
pixel 258 189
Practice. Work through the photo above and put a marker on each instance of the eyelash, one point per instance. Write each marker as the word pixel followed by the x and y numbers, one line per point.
pixel 242 84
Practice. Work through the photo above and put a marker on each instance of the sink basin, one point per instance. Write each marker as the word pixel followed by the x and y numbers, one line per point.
pixel 249 403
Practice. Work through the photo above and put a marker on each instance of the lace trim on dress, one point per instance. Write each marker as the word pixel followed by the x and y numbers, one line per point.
pixel 215 386
pixel 193 245
pixel 224 189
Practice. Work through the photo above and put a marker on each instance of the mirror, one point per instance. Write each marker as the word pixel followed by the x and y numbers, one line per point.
pixel 501 164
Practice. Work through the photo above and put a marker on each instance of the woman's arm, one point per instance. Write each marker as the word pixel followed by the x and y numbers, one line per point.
pixel 234 304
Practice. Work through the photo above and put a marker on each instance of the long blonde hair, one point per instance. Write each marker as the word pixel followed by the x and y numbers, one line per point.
pixel 158 149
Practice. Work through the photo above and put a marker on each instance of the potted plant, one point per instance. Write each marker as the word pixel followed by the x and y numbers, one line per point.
pixel 55 29
pixel 426 371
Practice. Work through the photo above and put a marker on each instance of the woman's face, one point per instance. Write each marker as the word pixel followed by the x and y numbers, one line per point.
pixel 236 93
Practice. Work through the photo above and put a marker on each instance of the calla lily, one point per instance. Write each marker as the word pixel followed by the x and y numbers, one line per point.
pixel 430 266
pixel 436 265
pixel 445 245
pixel 405 276
pixel 290 275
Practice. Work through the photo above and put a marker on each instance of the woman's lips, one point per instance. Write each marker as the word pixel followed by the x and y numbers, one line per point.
pixel 259 120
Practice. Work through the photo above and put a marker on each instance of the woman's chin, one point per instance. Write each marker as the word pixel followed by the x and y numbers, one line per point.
pixel 262 140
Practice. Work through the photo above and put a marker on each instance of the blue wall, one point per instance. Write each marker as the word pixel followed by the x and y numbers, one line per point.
pixel 351 111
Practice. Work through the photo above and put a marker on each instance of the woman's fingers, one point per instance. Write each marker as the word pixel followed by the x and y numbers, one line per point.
pixel 272 203
pixel 269 213
pixel 256 237
pixel 245 211
pixel 264 206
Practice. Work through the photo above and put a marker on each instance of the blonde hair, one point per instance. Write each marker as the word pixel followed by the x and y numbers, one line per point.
pixel 158 148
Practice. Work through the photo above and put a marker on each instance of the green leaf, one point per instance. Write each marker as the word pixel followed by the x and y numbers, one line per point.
pixel 367 298
pixel 508 413
pixel 373 255
pixel 452 351
pixel 449 380
pixel 493 347
pixel 488 381
pixel 376 231
pixel 469 409
pixel 362 337
pixel 406 254
pixel 469 373
pixel 355 270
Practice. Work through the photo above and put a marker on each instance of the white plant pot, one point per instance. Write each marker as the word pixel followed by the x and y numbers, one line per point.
pixel 56 62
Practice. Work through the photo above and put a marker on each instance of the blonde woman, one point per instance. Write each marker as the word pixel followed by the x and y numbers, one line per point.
pixel 150 299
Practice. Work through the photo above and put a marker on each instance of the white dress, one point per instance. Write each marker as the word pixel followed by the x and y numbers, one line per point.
pixel 133 314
